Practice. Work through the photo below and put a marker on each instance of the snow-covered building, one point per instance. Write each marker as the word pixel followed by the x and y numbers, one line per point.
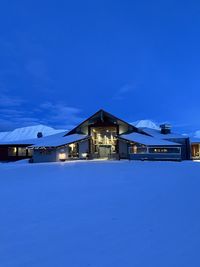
pixel 103 135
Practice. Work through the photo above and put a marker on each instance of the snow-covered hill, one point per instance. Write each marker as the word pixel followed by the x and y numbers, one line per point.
pixel 197 134
pixel 29 132
pixel 146 124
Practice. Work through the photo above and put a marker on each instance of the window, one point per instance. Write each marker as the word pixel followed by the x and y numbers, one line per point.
pixel 22 151
pixel 138 149
pixel 103 136
pixel 30 152
pixel 73 150
pixel 172 150
pixel 12 151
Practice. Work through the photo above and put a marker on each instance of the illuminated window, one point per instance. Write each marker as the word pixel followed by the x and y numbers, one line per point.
pixel 30 152
pixel 138 149
pixel 172 150
pixel 73 150
pixel 22 151
pixel 12 151
pixel 103 136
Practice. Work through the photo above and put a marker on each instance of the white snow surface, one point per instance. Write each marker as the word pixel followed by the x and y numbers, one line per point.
pixel 157 134
pixel 29 132
pixel 146 123
pixel 100 214
pixel 147 140
pixel 58 140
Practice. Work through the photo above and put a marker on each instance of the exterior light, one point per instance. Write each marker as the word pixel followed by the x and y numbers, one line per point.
pixel 62 155
pixel 84 155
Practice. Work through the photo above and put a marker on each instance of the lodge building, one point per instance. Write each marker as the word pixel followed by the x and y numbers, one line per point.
pixel 103 136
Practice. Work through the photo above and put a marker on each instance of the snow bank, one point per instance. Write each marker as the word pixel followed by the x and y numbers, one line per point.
pixel 101 214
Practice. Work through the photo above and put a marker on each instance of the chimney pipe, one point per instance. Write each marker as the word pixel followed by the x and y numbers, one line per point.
pixel 165 128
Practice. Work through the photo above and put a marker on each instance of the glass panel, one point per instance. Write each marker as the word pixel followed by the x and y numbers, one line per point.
pixel 21 151
pixel 138 149
pixel 196 151
pixel 73 150
pixel 12 151
pixel 30 152
pixel 173 150
pixel 103 136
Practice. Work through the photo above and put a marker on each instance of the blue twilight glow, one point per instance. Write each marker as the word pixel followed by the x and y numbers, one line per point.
pixel 63 60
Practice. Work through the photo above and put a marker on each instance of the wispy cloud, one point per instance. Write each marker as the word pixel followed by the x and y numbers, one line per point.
pixel 16 112
pixel 124 91
pixel 60 114
pixel 8 101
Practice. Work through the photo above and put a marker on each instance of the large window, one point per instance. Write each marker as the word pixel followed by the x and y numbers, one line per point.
pixel 22 151
pixel 172 150
pixel 12 151
pixel 142 149
pixel 195 150
pixel 103 136
pixel 138 149
pixel 30 152
pixel 73 150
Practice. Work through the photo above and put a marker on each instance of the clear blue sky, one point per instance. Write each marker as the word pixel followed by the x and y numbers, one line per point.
pixel 63 60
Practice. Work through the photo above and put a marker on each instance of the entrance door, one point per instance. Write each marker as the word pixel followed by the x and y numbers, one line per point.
pixel 104 151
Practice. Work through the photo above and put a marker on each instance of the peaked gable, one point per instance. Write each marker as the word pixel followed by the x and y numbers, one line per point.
pixel 103 118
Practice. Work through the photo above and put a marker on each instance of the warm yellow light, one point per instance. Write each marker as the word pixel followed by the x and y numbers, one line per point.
pixel 62 156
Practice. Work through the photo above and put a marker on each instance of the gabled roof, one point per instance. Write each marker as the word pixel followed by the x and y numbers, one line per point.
pixel 101 114
pixel 157 134
pixel 194 140
pixel 146 140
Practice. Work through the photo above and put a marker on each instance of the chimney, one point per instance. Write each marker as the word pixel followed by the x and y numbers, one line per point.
pixel 39 135
pixel 165 128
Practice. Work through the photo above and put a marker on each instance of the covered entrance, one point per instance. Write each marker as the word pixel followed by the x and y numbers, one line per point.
pixel 104 151
pixel 103 141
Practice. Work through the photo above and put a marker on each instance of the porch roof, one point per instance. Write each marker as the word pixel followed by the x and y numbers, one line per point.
pixel 57 140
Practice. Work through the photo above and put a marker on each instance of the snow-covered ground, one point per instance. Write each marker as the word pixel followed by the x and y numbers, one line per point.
pixel 100 214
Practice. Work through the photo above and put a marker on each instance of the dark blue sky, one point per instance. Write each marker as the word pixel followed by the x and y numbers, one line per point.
pixel 63 60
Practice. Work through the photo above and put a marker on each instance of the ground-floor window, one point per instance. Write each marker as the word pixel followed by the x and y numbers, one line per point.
pixel 12 151
pixel 195 150
pixel 171 150
pixel 142 149
pixel 30 152
pixel 73 150
pixel 137 149
pixel 22 151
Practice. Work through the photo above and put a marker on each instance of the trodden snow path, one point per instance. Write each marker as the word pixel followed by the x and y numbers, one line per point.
pixel 100 214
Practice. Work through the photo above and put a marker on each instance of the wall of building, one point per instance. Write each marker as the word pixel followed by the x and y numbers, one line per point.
pixel 185 148
pixel 44 155
pixel 123 149
pixel 83 148
pixel 154 156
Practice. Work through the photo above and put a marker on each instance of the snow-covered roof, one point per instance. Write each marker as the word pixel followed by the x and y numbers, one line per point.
pixel 157 134
pixel 145 124
pixel 194 140
pixel 19 142
pixel 147 140
pixel 58 140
